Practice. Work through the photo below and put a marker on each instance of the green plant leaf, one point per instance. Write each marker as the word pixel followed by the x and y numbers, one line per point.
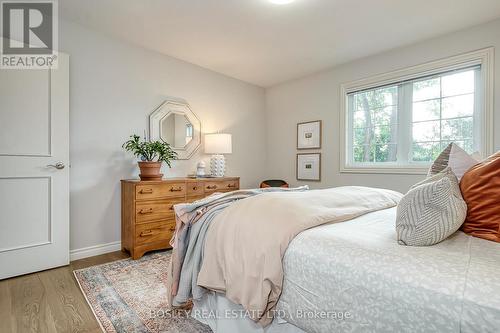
pixel 159 151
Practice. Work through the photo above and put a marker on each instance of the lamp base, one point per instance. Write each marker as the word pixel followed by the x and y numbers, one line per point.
pixel 217 165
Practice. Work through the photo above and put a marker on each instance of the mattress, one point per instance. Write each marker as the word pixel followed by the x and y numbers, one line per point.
pixel 354 277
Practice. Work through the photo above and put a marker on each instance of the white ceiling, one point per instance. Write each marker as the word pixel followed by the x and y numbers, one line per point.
pixel 266 44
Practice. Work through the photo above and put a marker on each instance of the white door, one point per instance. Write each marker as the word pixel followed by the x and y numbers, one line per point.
pixel 34 196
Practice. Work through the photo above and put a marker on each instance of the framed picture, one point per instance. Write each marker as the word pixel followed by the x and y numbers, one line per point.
pixel 309 135
pixel 309 167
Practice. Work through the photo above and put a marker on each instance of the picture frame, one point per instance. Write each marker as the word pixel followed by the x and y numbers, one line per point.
pixel 309 135
pixel 308 166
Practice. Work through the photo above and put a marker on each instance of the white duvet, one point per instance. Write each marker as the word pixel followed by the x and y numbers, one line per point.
pixel 358 268
pixel 354 277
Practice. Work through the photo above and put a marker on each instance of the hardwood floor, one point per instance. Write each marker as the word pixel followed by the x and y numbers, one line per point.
pixel 49 301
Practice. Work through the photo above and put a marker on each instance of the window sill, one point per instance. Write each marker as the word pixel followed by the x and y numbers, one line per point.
pixel 399 170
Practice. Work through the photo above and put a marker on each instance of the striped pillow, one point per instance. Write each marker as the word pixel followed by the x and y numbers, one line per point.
pixel 431 211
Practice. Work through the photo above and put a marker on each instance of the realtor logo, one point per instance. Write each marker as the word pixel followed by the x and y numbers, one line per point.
pixel 29 30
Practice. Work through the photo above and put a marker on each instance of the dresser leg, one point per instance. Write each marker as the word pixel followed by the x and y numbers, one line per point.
pixel 126 250
pixel 136 254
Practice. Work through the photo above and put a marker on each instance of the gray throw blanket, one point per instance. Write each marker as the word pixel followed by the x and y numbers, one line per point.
pixel 192 223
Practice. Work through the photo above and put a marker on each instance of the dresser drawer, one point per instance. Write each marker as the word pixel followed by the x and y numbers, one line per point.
pixel 230 185
pixel 223 186
pixel 154 232
pixel 212 186
pixel 157 191
pixel 195 189
pixel 155 210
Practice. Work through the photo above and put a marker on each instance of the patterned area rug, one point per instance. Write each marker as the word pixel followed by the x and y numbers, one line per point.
pixel 131 296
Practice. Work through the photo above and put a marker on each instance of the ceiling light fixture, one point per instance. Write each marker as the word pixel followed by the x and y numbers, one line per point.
pixel 280 2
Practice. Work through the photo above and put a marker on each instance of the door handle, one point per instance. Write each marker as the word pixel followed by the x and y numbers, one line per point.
pixel 58 165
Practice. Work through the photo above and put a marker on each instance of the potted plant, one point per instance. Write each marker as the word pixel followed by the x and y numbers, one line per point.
pixel 152 154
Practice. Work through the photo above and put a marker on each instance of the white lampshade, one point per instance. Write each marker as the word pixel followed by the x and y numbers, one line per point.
pixel 219 143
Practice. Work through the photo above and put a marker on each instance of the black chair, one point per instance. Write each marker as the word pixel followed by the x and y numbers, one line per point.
pixel 273 183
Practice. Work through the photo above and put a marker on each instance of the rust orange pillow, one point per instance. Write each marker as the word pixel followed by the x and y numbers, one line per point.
pixel 480 188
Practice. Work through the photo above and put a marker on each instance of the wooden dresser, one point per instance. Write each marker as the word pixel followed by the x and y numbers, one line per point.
pixel 148 220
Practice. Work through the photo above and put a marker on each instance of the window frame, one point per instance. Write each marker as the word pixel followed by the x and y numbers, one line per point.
pixel 483 58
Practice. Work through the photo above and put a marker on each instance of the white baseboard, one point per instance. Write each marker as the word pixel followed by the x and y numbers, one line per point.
pixel 95 250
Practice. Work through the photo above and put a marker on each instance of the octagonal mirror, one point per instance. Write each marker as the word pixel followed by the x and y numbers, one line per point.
pixel 175 123
pixel 177 130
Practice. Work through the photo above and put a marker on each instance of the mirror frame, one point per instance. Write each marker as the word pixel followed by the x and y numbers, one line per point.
pixel 176 107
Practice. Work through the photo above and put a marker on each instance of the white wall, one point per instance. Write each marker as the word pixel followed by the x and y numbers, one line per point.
pixel 317 97
pixel 113 88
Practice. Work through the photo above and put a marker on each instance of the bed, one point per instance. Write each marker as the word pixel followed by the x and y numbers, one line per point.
pixel 354 277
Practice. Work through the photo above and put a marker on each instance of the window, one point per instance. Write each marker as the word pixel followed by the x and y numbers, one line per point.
pixel 402 124
pixel 189 131
pixel 434 110
pixel 443 111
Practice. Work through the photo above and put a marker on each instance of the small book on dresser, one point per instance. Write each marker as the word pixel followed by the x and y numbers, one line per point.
pixel 148 220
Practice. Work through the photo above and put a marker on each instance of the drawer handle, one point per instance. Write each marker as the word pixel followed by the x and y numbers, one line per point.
pixel 175 189
pixel 146 191
pixel 211 187
pixel 231 185
pixel 146 211
pixel 171 207
pixel 195 188
pixel 146 233
pixel 172 229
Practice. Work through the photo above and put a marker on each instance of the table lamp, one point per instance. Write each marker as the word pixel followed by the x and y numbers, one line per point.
pixel 218 144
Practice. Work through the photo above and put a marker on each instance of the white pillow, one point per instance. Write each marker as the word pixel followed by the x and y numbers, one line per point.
pixel 454 157
pixel 431 211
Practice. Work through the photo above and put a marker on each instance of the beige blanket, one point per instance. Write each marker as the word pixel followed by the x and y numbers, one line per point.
pixel 245 243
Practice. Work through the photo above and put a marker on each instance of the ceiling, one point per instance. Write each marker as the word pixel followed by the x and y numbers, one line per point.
pixel 266 44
